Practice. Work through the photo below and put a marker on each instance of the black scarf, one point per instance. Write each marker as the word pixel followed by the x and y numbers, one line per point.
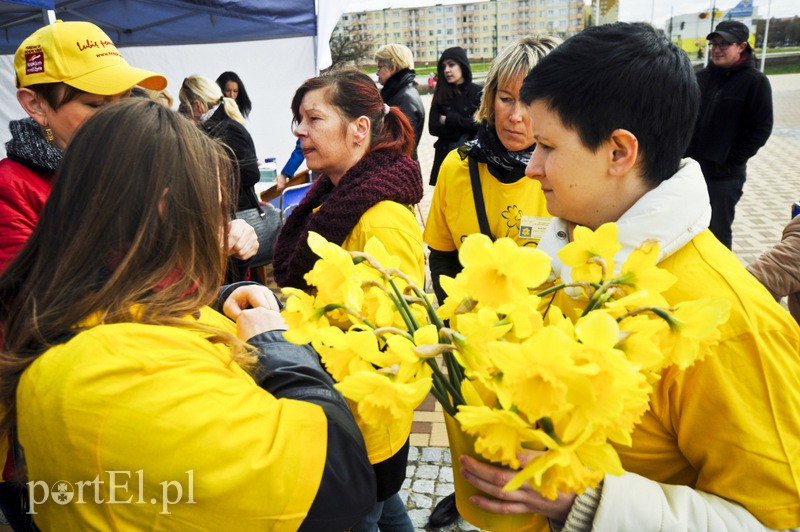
pixel 379 176
pixel 27 146
pixel 507 166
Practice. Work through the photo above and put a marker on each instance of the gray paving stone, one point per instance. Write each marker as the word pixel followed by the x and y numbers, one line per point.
pixel 428 471
pixel 444 488
pixel 432 455
pixel 421 501
pixel 419 518
pixel 446 474
pixel 413 454
pixel 422 486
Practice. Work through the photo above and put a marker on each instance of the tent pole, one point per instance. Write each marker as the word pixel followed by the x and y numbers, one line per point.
pixel 49 16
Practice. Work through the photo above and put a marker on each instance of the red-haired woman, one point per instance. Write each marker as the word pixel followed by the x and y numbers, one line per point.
pixel 368 186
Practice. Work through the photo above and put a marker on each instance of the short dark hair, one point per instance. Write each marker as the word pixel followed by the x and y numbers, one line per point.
pixel 625 76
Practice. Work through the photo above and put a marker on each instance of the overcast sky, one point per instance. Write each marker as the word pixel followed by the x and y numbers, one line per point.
pixel 655 11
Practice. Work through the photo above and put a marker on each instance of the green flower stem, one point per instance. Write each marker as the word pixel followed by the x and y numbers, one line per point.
pixel 441 396
pixel 406 319
pixel 547 426
pixel 552 289
pixel 405 308
pixel 454 372
pixel 458 399
pixel 337 306
pixel 380 331
pixel 600 296
pixel 658 311
pixel 429 308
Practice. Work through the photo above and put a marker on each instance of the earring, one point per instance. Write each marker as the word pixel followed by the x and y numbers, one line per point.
pixel 358 144
pixel 48 135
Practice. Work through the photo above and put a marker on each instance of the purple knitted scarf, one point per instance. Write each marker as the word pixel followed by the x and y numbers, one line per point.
pixel 379 176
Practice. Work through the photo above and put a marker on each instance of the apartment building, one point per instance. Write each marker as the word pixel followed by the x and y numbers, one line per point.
pixel 482 28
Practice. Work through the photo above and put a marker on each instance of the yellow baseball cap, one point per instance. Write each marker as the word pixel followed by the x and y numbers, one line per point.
pixel 81 55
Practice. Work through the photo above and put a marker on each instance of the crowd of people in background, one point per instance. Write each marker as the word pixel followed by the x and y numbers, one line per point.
pixel 131 321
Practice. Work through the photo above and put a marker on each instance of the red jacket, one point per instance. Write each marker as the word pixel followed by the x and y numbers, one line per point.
pixel 23 192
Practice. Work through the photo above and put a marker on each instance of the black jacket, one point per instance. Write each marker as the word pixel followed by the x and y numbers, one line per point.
pixel 346 491
pixel 735 118
pixel 401 91
pixel 243 155
pixel 458 105
pixel 459 124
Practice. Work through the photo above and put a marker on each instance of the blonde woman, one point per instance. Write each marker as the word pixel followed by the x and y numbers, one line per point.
pixel 395 69
pixel 219 116
pixel 513 205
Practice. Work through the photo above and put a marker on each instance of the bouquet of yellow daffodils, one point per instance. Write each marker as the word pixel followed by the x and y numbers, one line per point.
pixel 518 372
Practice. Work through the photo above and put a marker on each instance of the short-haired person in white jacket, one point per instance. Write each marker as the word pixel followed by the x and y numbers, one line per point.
pixel 719 448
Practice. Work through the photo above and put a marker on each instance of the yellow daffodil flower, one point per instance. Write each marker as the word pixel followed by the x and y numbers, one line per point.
pixel 538 373
pixel 381 399
pixel 639 271
pixel 499 434
pixel 345 354
pixel 301 316
pixel 694 322
pixel 378 308
pixel 563 469
pixel 411 366
pixel 587 245
pixel 334 275
pixel 499 272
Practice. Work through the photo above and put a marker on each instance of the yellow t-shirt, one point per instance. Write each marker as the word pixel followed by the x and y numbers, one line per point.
pixel 396 226
pixel 146 414
pixel 516 210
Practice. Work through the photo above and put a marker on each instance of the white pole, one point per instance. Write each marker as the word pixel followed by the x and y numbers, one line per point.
pixel 766 34
pixel 49 16
pixel 596 12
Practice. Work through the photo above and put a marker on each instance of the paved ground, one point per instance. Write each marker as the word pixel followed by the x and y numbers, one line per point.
pixel 773 184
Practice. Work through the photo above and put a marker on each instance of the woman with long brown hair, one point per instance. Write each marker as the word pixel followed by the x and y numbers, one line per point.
pixel 368 185
pixel 114 364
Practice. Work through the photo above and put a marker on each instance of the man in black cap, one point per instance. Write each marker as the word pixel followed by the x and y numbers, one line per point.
pixel 735 120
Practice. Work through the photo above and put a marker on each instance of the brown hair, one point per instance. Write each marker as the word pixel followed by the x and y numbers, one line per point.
pixel 354 94
pixel 56 94
pixel 134 236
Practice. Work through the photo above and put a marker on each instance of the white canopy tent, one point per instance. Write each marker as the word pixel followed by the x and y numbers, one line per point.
pixel 271 58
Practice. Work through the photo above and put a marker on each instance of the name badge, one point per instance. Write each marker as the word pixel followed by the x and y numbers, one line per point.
pixel 533 227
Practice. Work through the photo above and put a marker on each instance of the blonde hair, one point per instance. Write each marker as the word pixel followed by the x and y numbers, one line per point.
pixel 162 96
pixel 200 88
pixel 396 54
pixel 518 58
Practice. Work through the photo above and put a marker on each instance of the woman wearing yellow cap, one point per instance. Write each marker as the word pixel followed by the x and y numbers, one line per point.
pixel 65 72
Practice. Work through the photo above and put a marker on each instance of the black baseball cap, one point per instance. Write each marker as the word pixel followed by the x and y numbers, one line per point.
pixel 730 31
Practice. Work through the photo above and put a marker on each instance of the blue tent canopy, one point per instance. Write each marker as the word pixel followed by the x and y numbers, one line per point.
pixel 151 22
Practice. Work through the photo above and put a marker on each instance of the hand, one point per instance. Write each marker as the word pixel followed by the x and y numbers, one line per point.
pixel 280 182
pixel 249 296
pixel 490 479
pixel 242 240
pixel 253 321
